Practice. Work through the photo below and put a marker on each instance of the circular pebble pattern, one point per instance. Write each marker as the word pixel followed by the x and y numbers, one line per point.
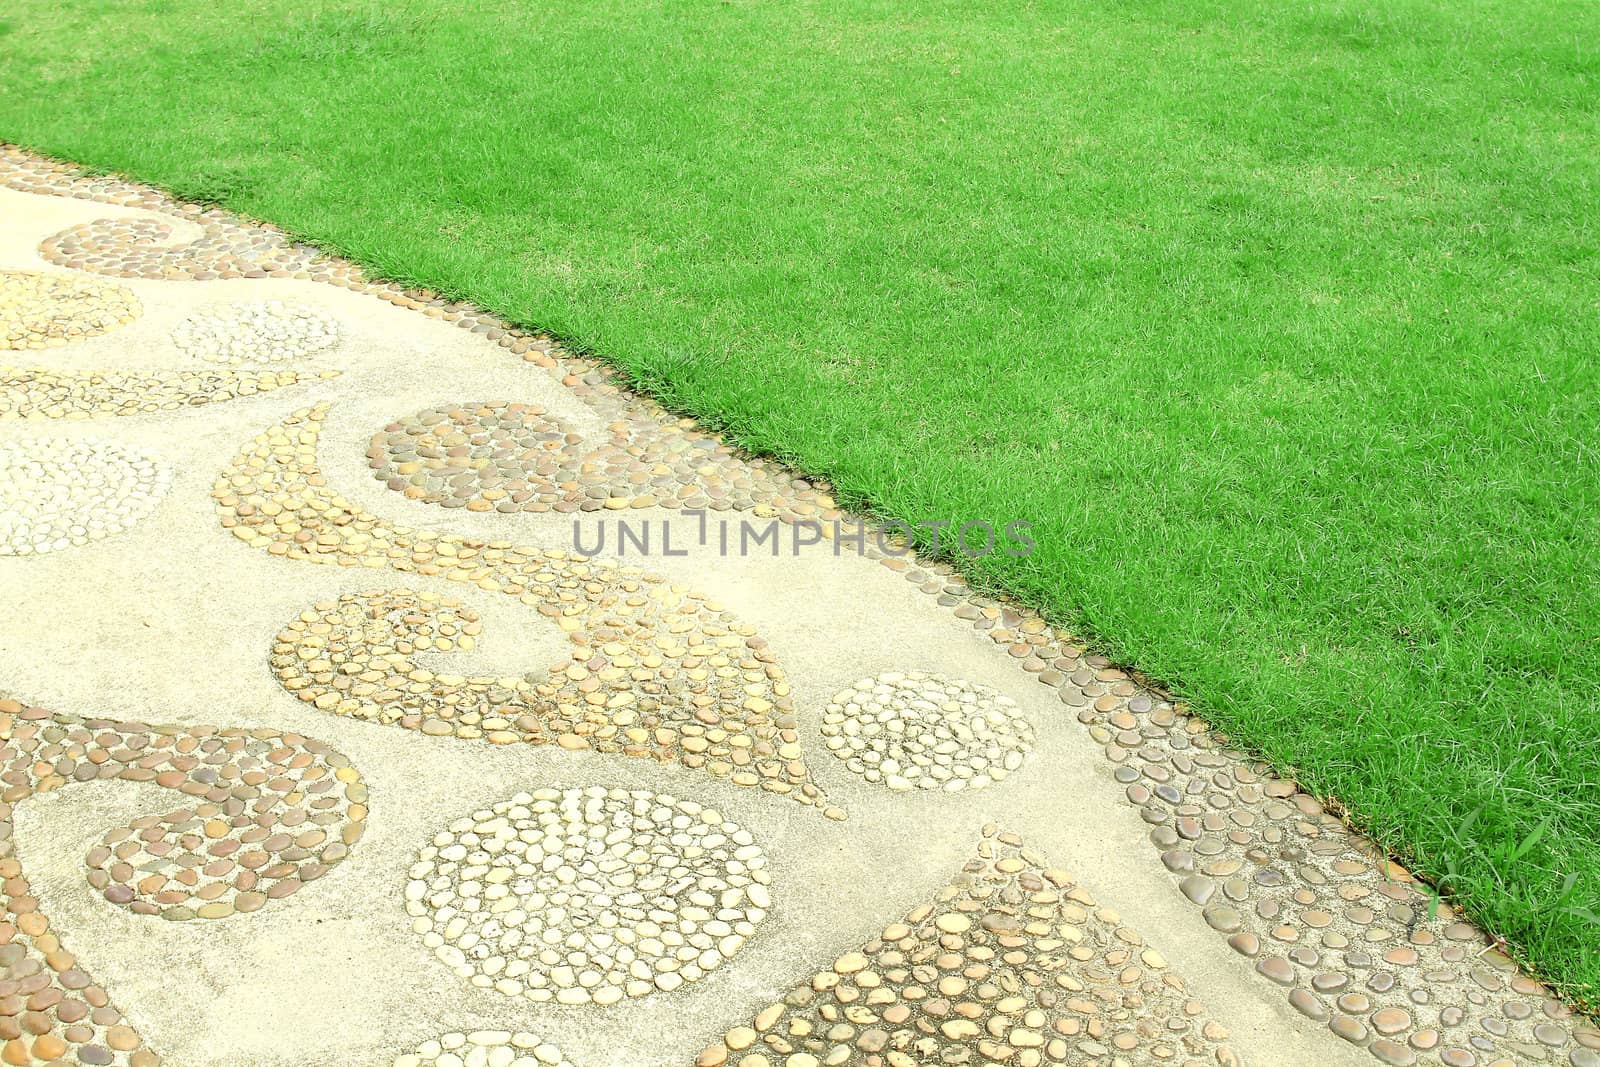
pixel 923 731
pixel 265 332
pixel 484 1048
pixel 1011 962
pixel 55 494
pixel 588 895
pixel 39 310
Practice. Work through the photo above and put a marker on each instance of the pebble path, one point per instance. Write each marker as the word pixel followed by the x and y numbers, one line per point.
pixel 1014 962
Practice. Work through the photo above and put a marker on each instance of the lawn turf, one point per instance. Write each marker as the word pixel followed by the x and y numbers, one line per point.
pixel 1279 320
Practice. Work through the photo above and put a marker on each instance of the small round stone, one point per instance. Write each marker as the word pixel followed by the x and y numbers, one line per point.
pixel 1390 1021
pixel 1308 1005
pixel 56 493
pixel 587 895
pixel 923 731
pixel 1392 1053
pixel 1348 1028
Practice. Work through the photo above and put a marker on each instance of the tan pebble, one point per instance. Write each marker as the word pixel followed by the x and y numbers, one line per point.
pixel 122 1038
pixel 952 923
pixel 49 1047
pixel 850 963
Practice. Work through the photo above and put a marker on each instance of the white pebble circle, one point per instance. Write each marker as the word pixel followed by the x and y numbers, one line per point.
pixel 923 731
pixel 266 332
pixel 590 895
pixel 484 1048
pixel 55 494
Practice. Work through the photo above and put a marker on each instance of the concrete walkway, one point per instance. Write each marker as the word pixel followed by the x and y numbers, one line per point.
pixel 324 744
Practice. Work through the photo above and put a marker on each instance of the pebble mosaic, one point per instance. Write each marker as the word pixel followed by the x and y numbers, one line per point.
pixel 658 671
pixel 509 457
pixel 57 494
pixel 921 731
pixel 264 332
pixel 582 896
pixel 43 310
pixel 149 248
pixel 39 310
pixel 1349 938
pixel 261 814
pixel 40 393
pixel 1013 962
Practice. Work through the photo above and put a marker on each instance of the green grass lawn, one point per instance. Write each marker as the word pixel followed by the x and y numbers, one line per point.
pixel 1278 318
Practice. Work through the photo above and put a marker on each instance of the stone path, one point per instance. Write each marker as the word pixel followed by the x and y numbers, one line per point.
pixel 466 795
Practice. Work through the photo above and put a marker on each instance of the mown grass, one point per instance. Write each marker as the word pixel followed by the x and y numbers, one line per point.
pixel 1277 319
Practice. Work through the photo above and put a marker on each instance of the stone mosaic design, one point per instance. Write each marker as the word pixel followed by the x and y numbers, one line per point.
pixel 1012 962
pixel 56 494
pixel 706 472
pixel 502 456
pixel 225 246
pixel 247 337
pixel 261 814
pixel 658 671
pixel 583 896
pixel 263 332
pixel 47 394
pixel 1476 1008
pixel 1345 932
pixel 39 310
pixel 484 1048
pixel 151 248
pixel 354 657
pixel 923 731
